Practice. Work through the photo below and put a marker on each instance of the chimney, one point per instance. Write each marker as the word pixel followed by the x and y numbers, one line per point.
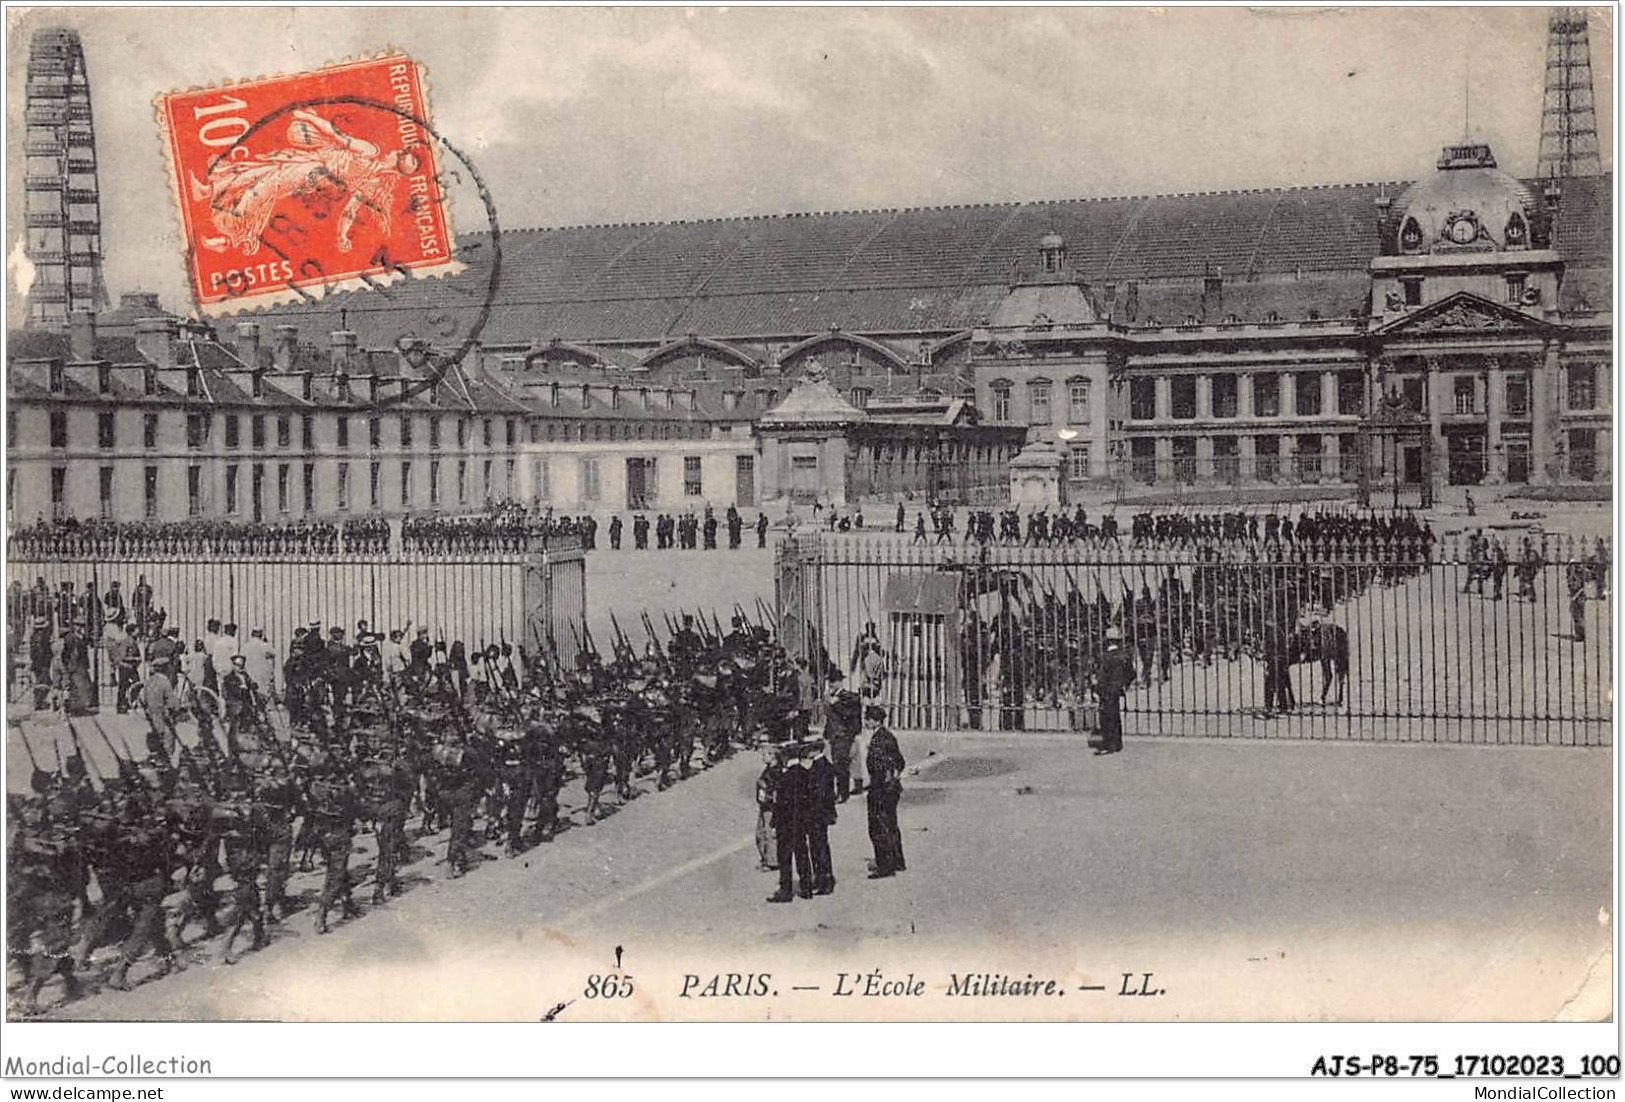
pixel 155 340
pixel 1213 295
pixel 343 346
pixel 248 343
pixel 286 342
pixel 82 335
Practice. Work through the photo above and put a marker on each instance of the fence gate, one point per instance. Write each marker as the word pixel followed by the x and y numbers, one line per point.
pixel 1501 638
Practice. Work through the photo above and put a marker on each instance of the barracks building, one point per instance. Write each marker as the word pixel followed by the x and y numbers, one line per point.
pixel 1451 331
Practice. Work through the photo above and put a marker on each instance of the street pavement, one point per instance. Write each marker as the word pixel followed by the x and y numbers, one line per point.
pixel 1253 880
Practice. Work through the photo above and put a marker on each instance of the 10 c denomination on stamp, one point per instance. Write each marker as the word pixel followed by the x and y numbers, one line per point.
pixel 296 186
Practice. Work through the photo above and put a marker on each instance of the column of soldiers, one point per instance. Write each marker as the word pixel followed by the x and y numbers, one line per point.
pixel 687 532
pixel 200 837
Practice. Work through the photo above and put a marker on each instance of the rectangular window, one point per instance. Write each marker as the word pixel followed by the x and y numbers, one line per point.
pixel 284 431
pixel 691 476
pixel 434 433
pixel 1224 396
pixel 513 432
pixel 1582 386
pixel 462 433
pixel 406 479
pixel 1465 393
pixel 282 488
pixel 104 378
pixel 104 430
pixel 310 487
pixel 1348 456
pixel 1080 462
pixel 1517 459
pixel 307 432
pixel 1142 399
pixel 860 398
pixel 1413 292
pixel 1515 286
pixel 233 431
pixel 1077 402
pixel 485 432
pixel 231 488
pixel 1267 450
pixel 344 485
pixel 375 433
pixel 589 480
pixel 104 487
pixel 1306 394
pixel 1001 403
pixel 59 428
pixel 1266 396
pixel 462 481
pixel 1415 393
pixel 1227 459
pixel 406 430
pixel 343 431
pixel 1182 397
pixel 1583 454
pixel 375 478
pixel 197 429
pixel 1350 394
pixel 1038 404
pixel 59 493
pixel 57 379
pixel 507 480
pixel 11 427
pixel 149 430
pixel 256 432
pixel 485 480
pixel 1518 395
pixel 149 492
pixel 194 491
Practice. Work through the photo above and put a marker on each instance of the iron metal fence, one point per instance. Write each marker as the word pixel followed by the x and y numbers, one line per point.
pixel 527 599
pixel 1405 641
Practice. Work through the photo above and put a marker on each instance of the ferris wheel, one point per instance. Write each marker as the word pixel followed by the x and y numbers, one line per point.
pixel 62 212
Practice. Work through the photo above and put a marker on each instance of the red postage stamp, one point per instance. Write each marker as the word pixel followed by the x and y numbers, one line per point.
pixel 294 187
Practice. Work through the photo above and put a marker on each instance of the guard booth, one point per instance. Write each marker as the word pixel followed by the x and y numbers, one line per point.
pixel 922 613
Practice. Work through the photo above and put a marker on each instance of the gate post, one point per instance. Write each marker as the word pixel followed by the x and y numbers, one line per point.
pixel 790 597
pixel 537 597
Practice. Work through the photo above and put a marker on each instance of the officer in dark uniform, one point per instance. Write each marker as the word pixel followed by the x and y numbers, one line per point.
pixel 640 532
pixel 822 779
pixel 615 532
pixel 793 810
pixel 1115 676
pixel 761 530
pixel 885 764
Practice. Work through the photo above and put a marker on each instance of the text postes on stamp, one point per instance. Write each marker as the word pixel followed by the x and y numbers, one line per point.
pixel 293 187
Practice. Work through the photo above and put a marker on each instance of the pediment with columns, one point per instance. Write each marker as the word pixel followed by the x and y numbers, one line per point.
pixel 1467 314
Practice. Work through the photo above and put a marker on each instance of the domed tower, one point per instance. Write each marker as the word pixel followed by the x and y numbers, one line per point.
pixel 1467 227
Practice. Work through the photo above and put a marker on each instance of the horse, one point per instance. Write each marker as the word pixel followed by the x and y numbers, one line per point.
pixel 1327 643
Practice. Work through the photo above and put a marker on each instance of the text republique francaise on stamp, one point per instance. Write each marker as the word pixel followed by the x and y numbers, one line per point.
pixel 293 187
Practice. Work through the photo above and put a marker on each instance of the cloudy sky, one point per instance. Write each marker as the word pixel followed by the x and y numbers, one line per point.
pixel 587 115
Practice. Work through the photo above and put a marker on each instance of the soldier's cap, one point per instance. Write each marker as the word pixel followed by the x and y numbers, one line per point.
pixel 315 625
pixel 396 633
pixel 874 711
pixel 336 633
pixel 836 675
pixel 239 660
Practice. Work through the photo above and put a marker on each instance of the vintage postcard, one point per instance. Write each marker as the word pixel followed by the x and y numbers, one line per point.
pixel 1037 515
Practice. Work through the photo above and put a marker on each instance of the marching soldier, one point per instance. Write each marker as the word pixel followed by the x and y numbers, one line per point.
pixel 334 813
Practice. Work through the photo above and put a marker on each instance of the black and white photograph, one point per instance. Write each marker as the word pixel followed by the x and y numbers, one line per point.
pixel 811 514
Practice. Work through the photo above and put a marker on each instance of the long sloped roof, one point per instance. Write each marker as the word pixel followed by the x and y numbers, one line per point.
pixel 931 269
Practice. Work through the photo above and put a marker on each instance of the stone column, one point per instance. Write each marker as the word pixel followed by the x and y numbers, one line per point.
pixel 1494 411
pixel 1204 449
pixel 1544 382
pixel 1289 454
pixel 1328 393
pixel 1164 397
pixel 1289 396
pixel 1165 457
pixel 1204 398
pixel 1247 455
pixel 1438 399
pixel 1331 458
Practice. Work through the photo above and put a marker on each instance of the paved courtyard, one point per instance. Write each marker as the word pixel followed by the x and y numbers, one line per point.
pixel 1253 880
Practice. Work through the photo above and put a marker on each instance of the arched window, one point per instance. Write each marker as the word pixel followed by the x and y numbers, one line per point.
pixel 1410 236
pixel 1517 235
pixel 1000 391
